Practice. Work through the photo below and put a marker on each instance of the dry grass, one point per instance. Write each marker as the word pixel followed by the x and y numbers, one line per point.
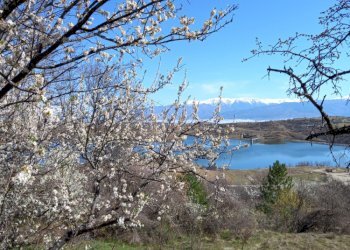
pixel 254 177
pixel 273 240
pixel 261 240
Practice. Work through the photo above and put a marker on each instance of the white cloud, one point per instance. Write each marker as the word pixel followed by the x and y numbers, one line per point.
pixel 228 86
pixel 210 88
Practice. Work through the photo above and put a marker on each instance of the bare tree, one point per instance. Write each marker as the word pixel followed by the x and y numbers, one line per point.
pixel 321 62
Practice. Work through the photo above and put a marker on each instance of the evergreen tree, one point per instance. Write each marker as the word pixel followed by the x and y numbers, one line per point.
pixel 276 183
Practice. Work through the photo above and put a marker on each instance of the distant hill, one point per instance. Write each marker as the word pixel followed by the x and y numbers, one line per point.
pixel 268 109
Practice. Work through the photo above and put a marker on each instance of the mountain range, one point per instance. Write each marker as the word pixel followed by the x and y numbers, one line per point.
pixel 250 109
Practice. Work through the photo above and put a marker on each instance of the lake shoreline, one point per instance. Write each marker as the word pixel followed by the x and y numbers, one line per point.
pixel 296 140
pixel 241 155
pixel 281 131
pixel 301 173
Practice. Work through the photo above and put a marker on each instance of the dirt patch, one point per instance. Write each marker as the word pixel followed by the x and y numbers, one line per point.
pixel 338 175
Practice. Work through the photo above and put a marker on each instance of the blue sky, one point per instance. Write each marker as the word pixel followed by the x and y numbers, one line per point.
pixel 218 60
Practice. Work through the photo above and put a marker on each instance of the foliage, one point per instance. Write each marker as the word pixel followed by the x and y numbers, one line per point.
pixel 196 190
pixel 287 201
pixel 276 185
pixel 226 234
pixel 284 213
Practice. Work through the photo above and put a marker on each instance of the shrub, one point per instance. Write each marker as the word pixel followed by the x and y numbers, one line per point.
pixel 196 190
pixel 285 211
pixel 328 209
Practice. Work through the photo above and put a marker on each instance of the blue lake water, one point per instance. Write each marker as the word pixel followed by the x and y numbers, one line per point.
pixel 291 153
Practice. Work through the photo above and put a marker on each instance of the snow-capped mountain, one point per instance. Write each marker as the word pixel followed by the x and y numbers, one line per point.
pixel 247 100
pixel 268 109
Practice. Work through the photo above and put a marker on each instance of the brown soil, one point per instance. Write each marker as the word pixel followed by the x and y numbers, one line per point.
pixel 287 130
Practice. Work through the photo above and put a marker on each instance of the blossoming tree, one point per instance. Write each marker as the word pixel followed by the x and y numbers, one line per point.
pixel 80 147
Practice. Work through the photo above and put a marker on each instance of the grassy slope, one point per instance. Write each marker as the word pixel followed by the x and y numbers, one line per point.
pixel 253 177
pixel 261 240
